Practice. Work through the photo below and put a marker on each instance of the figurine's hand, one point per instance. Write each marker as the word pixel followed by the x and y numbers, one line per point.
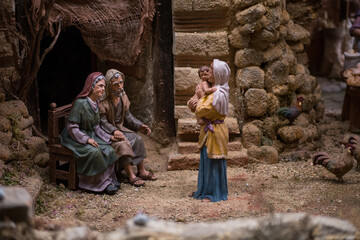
pixel 192 104
pixel 114 139
pixel 119 135
pixel 92 142
pixel 145 130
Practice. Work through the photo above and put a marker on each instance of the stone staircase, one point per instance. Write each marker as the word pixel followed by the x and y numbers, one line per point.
pixel 200 35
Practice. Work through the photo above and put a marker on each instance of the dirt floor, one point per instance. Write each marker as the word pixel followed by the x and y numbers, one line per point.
pixel 293 185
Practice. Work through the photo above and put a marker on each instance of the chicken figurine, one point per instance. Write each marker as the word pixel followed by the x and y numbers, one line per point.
pixel 354 143
pixel 291 113
pixel 339 167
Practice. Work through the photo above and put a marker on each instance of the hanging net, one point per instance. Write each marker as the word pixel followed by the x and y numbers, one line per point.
pixel 114 30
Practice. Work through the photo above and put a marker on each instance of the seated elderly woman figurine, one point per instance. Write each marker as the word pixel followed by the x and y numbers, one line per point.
pixel 95 158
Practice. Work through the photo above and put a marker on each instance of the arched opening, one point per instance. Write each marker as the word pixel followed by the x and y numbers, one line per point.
pixel 63 72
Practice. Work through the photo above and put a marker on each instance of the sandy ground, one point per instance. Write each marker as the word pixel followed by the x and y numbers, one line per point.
pixel 293 185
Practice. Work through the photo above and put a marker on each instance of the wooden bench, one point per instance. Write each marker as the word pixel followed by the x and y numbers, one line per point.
pixel 61 163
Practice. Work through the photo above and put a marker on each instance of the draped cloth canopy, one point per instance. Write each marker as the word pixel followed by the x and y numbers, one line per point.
pixel 114 30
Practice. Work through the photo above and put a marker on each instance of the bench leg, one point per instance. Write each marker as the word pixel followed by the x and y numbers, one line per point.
pixel 72 181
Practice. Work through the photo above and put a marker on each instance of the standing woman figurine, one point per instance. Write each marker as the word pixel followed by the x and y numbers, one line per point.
pixel 95 158
pixel 214 136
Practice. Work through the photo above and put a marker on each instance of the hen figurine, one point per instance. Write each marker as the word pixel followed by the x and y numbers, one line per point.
pixel 339 167
pixel 293 112
pixel 354 143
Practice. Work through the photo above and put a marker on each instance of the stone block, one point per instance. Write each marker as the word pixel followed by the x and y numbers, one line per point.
pixel 251 135
pixel 250 77
pixel 199 5
pixel 296 32
pixel 276 73
pixel 273 103
pixel 244 3
pixel 17 205
pixel 248 57
pixel 191 161
pixel 26 122
pixel 35 145
pixel 255 102
pixel 192 147
pixel 251 14
pixel 182 111
pixel 264 154
pixel 5 153
pixel 188 127
pixel 13 107
pixel 5 138
pixel 272 54
pixel 239 40
pixel 210 44
pixel 186 79
pixel 5 124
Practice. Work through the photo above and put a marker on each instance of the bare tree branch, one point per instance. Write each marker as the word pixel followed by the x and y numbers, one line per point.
pixel 52 44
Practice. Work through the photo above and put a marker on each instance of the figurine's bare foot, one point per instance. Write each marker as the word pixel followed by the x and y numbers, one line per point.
pixel 206 200
pixel 191 194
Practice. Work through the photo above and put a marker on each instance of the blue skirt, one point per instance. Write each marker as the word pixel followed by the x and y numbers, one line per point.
pixel 212 179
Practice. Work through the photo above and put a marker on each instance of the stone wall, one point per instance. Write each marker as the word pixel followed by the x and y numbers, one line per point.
pixel 271 73
pixel 17 142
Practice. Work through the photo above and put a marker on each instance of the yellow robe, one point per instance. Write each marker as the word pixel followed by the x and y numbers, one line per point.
pixel 217 141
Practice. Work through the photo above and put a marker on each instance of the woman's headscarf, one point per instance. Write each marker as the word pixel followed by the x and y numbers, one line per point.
pixel 221 72
pixel 89 84
pixel 110 74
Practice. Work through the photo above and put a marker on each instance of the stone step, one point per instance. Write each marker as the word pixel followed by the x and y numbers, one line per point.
pixel 192 147
pixel 188 130
pixel 191 161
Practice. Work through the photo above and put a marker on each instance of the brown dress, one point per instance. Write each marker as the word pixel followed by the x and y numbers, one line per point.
pixel 119 118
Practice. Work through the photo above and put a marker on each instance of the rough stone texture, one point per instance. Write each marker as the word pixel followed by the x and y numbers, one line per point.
pixel 5 138
pixel 42 160
pixel 239 40
pixel 296 33
pixel 212 44
pixel 183 111
pixel 263 154
pixel 251 135
pixel 280 90
pixel 248 57
pixel 250 77
pixel 275 73
pixel 5 47
pixel 198 5
pixel 276 226
pixel 273 103
pixel 17 205
pixel 35 145
pixel 5 153
pixel 245 3
pixel 190 161
pixel 251 14
pixel 272 54
pixel 290 134
pixel 5 124
pixel 25 123
pixel 189 126
pixel 186 79
pixel 256 102
pixel 13 107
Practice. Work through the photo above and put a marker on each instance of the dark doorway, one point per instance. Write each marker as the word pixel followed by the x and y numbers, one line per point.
pixel 63 72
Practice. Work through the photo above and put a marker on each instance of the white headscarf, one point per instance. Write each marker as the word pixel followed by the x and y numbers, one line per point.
pixel 221 72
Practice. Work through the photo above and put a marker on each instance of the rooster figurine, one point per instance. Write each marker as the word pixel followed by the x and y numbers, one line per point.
pixel 354 143
pixel 339 167
pixel 293 112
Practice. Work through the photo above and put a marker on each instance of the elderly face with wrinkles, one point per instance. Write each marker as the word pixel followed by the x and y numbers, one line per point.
pixel 117 83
